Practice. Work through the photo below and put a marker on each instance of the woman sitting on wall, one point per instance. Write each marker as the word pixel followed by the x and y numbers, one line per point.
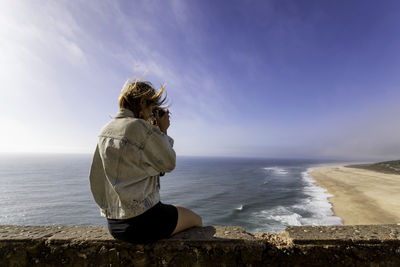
pixel 132 151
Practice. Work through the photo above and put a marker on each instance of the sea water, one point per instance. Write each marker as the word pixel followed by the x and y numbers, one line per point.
pixel 261 195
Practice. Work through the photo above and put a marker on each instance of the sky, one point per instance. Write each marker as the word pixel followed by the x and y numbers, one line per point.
pixel 274 79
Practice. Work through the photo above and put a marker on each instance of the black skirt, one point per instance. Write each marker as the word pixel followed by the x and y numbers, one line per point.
pixel 156 223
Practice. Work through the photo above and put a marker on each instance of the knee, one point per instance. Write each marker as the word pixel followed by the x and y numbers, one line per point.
pixel 189 217
pixel 198 221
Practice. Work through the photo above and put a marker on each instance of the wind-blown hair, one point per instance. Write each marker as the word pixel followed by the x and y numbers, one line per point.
pixel 133 91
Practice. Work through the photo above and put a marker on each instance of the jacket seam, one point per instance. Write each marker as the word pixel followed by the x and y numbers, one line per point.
pixel 123 142
pixel 124 139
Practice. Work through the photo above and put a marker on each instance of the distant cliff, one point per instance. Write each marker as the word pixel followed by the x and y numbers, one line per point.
pixel 390 167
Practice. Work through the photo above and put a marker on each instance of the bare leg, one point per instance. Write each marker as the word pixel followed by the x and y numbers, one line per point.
pixel 186 219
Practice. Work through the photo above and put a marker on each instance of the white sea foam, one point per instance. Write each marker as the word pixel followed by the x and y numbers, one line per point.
pixel 315 209
pixel 276 170
pixel 281 215
pixel 316 204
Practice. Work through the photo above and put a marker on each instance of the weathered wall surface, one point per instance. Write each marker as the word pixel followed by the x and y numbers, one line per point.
pixel 207 246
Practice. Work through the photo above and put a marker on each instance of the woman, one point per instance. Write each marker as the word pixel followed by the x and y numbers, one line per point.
pixel 125 175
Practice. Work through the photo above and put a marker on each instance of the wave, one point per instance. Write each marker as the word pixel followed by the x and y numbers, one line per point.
pixel 275 219
pixel 232 213
pixel 314 209
pixel 280 214
pixel 276 170
pixel 240 207
pixel 317 206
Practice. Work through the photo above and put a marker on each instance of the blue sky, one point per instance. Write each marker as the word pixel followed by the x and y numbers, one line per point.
pixel 298 79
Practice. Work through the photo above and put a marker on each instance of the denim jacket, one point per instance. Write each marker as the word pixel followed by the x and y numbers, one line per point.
pixel 124 176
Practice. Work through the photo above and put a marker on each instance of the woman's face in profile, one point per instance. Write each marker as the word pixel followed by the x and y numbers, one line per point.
pixel 146 110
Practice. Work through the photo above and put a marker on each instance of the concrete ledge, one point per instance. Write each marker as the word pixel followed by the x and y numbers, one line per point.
pixel 373 245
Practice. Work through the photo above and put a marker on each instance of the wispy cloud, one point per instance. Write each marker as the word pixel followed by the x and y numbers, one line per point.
pixel 42 46
pixel 145 45
pixel 253 88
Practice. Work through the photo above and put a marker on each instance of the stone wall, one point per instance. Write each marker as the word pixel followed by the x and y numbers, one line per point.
pixel 208 246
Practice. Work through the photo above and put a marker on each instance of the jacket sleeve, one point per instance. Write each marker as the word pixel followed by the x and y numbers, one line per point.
pixel 158 150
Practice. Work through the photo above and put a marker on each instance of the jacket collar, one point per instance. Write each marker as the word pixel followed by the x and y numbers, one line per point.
pixel 123 113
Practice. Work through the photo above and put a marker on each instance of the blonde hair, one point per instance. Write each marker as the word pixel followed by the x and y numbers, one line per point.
pixel 133 91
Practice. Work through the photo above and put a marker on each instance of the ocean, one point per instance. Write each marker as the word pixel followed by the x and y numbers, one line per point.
pixel 261 195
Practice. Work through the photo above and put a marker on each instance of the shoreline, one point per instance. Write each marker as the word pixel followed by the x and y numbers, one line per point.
pixel 360 196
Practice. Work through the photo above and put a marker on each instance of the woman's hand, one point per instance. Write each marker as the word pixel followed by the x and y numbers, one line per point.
pixel 163 121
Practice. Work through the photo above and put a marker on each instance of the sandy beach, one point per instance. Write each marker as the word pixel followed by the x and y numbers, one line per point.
pixel 361 196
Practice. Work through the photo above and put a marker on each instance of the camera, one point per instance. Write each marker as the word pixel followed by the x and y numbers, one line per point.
pixel 160 112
